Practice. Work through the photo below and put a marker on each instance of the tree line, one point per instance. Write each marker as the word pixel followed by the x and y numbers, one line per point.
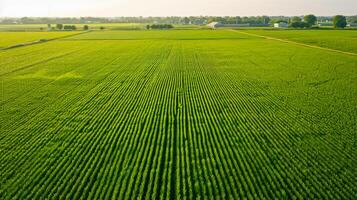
pixel 159 26
pixel 163 20
pixel 68 27
pixel 339 21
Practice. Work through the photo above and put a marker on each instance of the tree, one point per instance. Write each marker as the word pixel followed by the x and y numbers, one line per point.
pixel 280 21
pixel 148 27
pixel 70 27
pixel 310 19
pixel 186 20
pixel 161 26
pixel 102 28
pixel 59 26
pixel 339 21
pixel 266 19
pixel 299 25
pixel 85 27
pixel 295 19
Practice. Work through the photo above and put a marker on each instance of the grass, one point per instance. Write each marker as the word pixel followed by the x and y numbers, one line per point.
pixel 160 35
pixel 177 115
pixel 344 40
pixel 22 27
pixel 107 26
pixel 8 39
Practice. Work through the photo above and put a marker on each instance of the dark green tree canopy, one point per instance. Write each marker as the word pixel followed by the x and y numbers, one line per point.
pixel 310 19
pixel 299 25
pixel 295 19
pixel 59 26
pixel 339 21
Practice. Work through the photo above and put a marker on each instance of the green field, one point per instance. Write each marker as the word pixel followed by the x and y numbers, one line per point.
pixel 42 27
pixel 22 27
pixel 107 26
pixel 345 40
pixel 177 115
pixel 8 39
pixel 160 35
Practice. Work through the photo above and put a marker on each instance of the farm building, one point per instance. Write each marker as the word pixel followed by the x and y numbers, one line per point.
pixel 215 25
pixel 352 25
pixel 281 25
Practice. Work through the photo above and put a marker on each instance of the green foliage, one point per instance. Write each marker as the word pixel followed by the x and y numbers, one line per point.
pixel 281 21
pixel 70 27
pixel 352 19
pixel 59 26
pixel 310 19
pixel 295 19
pixel 339 21
pixel 333 39
pixel 161 26
pixel 86 27
pixel 8 39
pixel 299 25
pixel 194 114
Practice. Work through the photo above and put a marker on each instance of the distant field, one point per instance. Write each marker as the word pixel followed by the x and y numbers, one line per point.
pixel 22 27
pixel 14 38
pixel 193 114
pixel 110 26
pixel 344 40
pixel 161 35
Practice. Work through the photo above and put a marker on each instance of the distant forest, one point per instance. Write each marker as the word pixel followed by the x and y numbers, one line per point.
pixel 162 20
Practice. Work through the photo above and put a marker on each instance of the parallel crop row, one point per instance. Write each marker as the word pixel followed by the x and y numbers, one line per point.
pixel 163 120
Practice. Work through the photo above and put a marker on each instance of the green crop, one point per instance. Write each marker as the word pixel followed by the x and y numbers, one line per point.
pixel 177 115
pixel 344 40
pixel 8 39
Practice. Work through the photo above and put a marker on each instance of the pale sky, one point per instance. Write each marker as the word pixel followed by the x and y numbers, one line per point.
pixel 112 8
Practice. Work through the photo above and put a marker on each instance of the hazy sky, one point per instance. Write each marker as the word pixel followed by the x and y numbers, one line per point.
pixel 75 8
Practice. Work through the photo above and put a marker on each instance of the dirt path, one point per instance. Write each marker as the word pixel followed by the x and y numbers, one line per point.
pixel 297 43
pixel 40 41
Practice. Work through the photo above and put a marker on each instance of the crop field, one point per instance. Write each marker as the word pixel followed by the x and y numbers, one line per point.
pixel 8 39
pixel 190 114
pixel 160 35
pixel 344 40
pixel 110 26
pixel 22 27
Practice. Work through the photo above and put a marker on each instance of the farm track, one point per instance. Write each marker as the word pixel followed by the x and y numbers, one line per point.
pixel 15 46
pixel 162 120
pixel 297 43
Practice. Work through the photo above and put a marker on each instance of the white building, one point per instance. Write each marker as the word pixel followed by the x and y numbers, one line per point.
pixel 214 25
pixel 281 25
pixel 352 25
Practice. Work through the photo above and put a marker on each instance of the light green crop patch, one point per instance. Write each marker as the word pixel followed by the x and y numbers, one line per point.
pixel 44 75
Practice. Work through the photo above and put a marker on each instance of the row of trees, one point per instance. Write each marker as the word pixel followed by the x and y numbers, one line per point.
pixel 339 21
pixel 64 27
pixel 159 26
pixel 69 27
pixel 162 20
pixel 307 22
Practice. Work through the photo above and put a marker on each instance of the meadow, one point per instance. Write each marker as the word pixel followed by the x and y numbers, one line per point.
pixel 96 26
pixel 181 114
pixel 344 40
pixel 92 26
pixel 8 39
